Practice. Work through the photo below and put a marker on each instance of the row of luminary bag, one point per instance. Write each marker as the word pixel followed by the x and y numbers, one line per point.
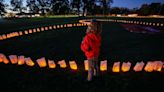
pixel 36 30
pixel 117 67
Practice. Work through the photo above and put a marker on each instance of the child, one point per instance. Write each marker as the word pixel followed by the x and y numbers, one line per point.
pixel 91 46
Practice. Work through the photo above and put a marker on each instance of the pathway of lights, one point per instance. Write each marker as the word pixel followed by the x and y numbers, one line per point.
pixel 47 28
pixel 42 62
pixel 150 66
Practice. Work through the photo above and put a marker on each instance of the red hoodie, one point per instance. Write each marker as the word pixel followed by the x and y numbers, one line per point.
pixel 91 45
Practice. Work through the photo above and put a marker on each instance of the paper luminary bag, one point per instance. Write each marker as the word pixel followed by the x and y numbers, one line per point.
pixel 73 65
pixel 116 67
pixel 158 66
pixel 1 57
pixel 41 62
pixel 103 65
pixel 149 66
pixel 51 64
pixel 62 64
pixel 21 60
pixel 139 66
pixel 13 59
pixel 29 61
pixel 126 66
pixel 86 65
pixel 5 60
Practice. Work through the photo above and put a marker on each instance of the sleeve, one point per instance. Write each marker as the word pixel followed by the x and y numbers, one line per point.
pixel 85 44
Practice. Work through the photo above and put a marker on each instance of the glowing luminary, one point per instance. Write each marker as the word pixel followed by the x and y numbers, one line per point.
pixel 74 24
pixel 41 62
pixel 158 66
pixel 42 29
pixel 50 27
pixel 139 66
pixel 21 60
pixel 65 25
pixel 86 65
pixel 149 67
pixel 25 32
pixel 73 65
pixel 126 66
pixel 162 25
pixel 30 31
pixel 20 33
pixel 13 59
pixel 1 57
pixel 58 26
pixel 29 62
pixel 116 67
pixel 103 65
pixel 54 27
pixel 61 26
pixel 1 38
pixel 51 64
pixel 62 64
pixel 5 60
pixel 38 30
pixel 46 28
pixel 34 30
pixel 4 36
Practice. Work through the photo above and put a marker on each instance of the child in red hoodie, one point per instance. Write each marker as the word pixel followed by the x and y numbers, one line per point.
pixel 91 46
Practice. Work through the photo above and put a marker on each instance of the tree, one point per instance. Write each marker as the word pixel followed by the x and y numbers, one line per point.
pixel 60 7
pixel 32 6
pixel 44 5
pixel 2 7
pixel 76 4
pixel 106 4
pixel 17 5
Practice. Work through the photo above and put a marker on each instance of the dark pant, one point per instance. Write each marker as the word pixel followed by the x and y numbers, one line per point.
pixel 93 68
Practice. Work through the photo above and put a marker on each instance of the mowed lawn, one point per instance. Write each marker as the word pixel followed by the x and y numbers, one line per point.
pixel 117 45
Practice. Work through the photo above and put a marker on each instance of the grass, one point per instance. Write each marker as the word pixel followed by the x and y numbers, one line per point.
pixel 117 45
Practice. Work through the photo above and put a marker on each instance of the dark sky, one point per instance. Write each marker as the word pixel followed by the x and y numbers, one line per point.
pixel 133 3
pixel 124 3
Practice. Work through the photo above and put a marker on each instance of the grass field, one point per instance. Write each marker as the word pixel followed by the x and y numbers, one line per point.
pixel 117 45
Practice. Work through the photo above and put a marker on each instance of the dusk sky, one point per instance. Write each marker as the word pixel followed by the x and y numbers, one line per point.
pixel 125 3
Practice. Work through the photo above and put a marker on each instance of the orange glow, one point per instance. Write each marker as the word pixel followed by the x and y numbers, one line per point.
pixel 30 31
pixel 51 64
pixel 5 60
pixel 1 57
pixel 103 65
pixel 86 65
pixel 65 25
pixel 46 28
pixel 50 27
pixel 139 66
pixel 38 30
pixel 26 32
pixel 73 65
pixel 126 66
pixel 20 33
pixel 58 26
pixel 158 66
pixel 41 62
pixel 61 26
pixel 13 59
pixel 149 67
pixel 21 60
pixel 116 67
pixel 1 38
pixel 54 27
pixel 4 36
pixel 34 30
pixel 42 29
pixel 62 64
pixel 29 62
